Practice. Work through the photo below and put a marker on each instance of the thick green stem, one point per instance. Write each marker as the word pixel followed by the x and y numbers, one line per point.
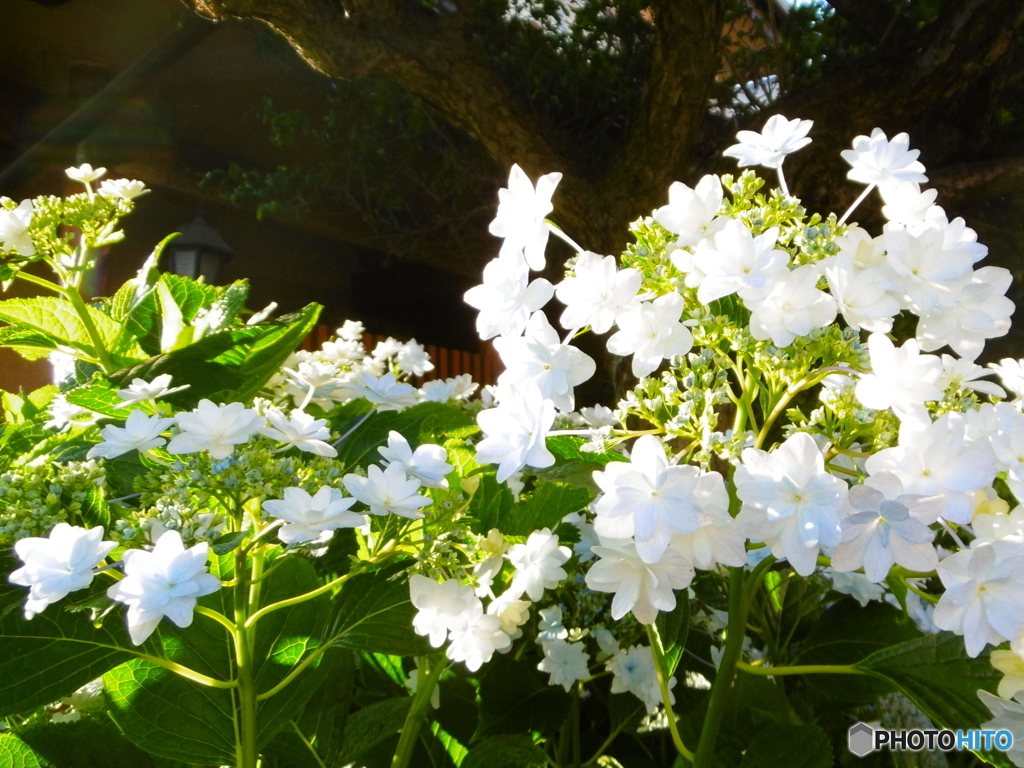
pixel 102 354
pixel 430 669
pixel 245 749
pixel 739 606
pixel 663 677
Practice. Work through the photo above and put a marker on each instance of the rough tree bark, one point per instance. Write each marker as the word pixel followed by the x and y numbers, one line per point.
pixel 439 58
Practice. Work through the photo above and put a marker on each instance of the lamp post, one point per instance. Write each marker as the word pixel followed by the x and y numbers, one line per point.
pixel 198 251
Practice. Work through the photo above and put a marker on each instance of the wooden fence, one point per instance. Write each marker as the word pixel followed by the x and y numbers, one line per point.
pixel 484 365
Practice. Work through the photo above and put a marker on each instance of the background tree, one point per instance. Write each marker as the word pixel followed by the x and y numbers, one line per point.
pixel 430 101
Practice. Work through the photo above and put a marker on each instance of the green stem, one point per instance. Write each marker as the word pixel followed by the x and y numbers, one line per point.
pixel 662 668
pixel 296 671
pixel 309 746
pixel 245 749
pixel 106 361
pixel 739 606
pixel 298 598
pixel 220 618
pixel 807 669
pixel 426 681
pixel 41 281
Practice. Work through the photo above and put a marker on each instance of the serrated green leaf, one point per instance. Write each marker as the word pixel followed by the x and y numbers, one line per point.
pixel 935 672
pixel 232 365
pixel 508 751
pixel 374 613
pixel 568 448
pixel 174 333
pixel 98 396
pixel 371 725
pixel 514 699
pixel 15 753
pixel 491 505
pixel 92 743
pixel 545 508
pixel 56 318
pixel 789 746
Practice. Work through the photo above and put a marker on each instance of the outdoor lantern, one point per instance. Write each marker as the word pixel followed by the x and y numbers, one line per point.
pixel 198 251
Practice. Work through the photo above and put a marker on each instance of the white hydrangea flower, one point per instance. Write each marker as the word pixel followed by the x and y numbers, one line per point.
pixel 906 204
pixel 428 463
pixel 351 330
pixel 901 378
pixel 924 269
pixel 790 501
pixel 507 298
pixel 301 431
pixel 887 527
pixel 720 539
pixel 858 586
pixel 999 525
pixel 566 663
pixel 514 432
pixel 652 332
pixel 643 588
pixel 549 625
pixel 513 613
pixel 539 359
pixel 976 310
pixel 964 374
pixel 983 600
pixel 933 458
pixel 164 582
pixel 538 563
pixel 734 261
pixel 476 643
pixel 124 189
pixel 861 294
pixel 214 428
pixel 387 393
pixel 141 391
pixel 62 562
pixel 876 160
pixel 634 672
pixel 778 138
pixel 389 491
pixel 647 499
pixel 413 359
pixel 521 213
pixel 1007 715
pixel 1011 374
pixel 792 307
pixel 313 518
pixel 85 173
pixel 64 414
pixel 460 387
pixel 1012 666
pixel 139 433
pixel 442 606
pixel 597 293
pixel 692 214
pixel 14 229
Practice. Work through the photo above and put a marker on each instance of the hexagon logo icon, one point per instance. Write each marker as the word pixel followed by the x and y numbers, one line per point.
pixel 861 739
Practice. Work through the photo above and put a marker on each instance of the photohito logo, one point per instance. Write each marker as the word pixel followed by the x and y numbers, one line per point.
pixel 862 739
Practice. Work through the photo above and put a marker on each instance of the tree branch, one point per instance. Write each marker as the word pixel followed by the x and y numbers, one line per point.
pixel 877 19
pixel 684 62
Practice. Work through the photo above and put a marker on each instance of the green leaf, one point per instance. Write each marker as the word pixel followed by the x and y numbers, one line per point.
pixel 232 365
pixel 55 653
pixel 228 542
pixel 491 505
pixel 514 699
pixel 545 508
pixel 168 715
pixel 789 746
pixel 936 673
pixel 423 423
pixel 283 638
pixel 847 633
pixel 374 613
pixel 15 753
pixel 174 332
pixel 100 397
pixel 87 743
pixel 57 318
pixel 371 725
pixel 673 628
pixel 510 751
pixel 191 296
pixel 568 448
